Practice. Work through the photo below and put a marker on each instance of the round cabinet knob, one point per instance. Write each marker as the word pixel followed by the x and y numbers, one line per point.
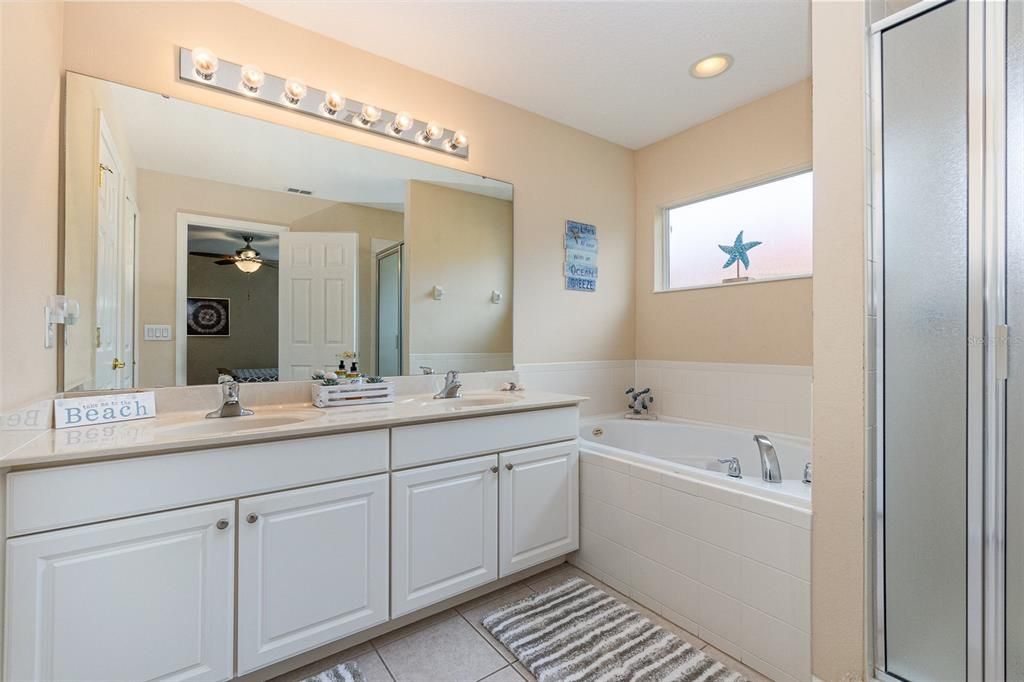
pixel 222 524
pixel 509 466
pixel 251 518
pixel 494 469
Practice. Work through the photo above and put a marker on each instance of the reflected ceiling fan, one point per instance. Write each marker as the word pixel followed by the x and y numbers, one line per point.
pixel 247 259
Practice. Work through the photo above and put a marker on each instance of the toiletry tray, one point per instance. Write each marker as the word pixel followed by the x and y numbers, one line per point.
pixel 345 395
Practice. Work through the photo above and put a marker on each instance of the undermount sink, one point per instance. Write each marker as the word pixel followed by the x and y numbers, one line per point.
pixel 455 404
pixel 231 424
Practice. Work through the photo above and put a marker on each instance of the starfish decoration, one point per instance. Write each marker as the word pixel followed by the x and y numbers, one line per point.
pixel 738 252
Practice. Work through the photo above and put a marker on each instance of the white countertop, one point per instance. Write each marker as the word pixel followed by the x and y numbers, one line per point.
pixel 189 430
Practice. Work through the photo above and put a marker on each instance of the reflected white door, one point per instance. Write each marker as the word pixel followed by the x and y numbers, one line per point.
pixel 129 237
pixel 316 301
pixel 108 262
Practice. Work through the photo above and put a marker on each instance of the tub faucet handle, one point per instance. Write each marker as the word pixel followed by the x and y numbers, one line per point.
pixel 807 473
pixel 734 466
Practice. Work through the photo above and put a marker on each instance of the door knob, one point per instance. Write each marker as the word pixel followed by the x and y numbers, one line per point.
pixel 222 524
pixel 251 518
pixel 509 466
pixel 494 469
pixel 117 364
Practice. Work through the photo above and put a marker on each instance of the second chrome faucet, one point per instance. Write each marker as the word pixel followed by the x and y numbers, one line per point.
pixel 770 470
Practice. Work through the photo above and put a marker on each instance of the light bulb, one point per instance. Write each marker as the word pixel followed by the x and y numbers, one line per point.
pixel 712 66
pixel 433 131
pixel 248 266
pixel 403 121
pixel 252 78
pixel 294 91
pixel 205 62
pixel 458 140
pixel 334 102
pixel 369 115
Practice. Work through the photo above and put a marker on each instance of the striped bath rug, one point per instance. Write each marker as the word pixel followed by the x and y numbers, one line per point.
pixel 343 672
pixel 575 632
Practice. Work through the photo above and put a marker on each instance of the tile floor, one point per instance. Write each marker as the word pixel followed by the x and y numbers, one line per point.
pixel 452 646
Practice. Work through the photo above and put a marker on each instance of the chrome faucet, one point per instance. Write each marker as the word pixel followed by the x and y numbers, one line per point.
pixel 639 404
pixel 231 407
pixel 452 386
pixel 770 470
pixel 734 466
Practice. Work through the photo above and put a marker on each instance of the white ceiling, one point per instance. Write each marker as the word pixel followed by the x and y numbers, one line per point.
pixel 618 70
pixel 196 141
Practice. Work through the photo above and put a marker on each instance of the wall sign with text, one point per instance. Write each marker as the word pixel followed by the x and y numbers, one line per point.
pixel 103 409
pixel 580 256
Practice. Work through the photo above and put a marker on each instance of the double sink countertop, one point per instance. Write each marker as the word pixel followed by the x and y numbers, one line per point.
pixel 176 431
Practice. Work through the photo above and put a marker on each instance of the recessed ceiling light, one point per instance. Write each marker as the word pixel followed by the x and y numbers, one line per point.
pixel 712 66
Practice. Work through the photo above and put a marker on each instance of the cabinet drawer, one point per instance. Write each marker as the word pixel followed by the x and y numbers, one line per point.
pixel 44 499
pixel 440 441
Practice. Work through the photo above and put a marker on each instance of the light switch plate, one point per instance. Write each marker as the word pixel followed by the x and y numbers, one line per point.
pixel 156 332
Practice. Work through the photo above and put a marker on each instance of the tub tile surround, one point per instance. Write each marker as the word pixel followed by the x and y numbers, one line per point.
pixel 772 398
pixel 769 398
pixel 730 567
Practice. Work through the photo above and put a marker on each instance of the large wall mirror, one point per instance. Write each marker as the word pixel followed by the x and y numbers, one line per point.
pixel 200 242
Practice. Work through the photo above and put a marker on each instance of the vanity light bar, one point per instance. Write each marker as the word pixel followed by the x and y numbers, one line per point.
pixel 248 80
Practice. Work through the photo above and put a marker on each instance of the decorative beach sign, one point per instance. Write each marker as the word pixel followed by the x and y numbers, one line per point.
pixel 737 253
pixel 580 256
pixel 103 409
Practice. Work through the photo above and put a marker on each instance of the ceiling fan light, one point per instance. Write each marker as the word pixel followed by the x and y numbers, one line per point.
pixel 248 266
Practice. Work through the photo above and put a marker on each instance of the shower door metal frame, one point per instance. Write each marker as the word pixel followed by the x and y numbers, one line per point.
pixel 986 343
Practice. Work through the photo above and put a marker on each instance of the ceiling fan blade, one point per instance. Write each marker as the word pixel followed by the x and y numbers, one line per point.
pixel 270 264
pixel 204 254
pixel 226 261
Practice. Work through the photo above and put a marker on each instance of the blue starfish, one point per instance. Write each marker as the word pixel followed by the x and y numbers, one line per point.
pixel 738 251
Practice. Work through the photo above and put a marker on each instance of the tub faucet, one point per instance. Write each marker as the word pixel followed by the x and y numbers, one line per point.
pixel 734 466
pixel 452 386
pixel 640 404
pixel 231 407
pixel 770 470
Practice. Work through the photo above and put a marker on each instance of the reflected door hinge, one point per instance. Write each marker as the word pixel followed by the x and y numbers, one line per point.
pixel 98 342
pixel 1002 351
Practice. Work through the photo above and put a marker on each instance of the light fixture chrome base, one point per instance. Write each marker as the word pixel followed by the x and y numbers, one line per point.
pixel 228 78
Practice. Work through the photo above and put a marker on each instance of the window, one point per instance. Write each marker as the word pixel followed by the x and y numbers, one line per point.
pixel 761 232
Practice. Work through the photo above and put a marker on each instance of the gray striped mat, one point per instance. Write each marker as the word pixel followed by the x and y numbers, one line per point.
pixel 575 632
pixel 343 672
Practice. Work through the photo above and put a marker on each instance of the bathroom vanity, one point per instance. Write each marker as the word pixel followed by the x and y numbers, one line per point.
pixel 205 561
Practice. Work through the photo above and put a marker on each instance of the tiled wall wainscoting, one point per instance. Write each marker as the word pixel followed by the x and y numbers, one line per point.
pixel 604 382
pixel 772 398
pixel 732 568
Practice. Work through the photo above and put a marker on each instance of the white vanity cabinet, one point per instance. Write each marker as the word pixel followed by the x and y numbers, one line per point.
pixel 312 567
pixel 444 531
pixel 539 508
pixel 160 587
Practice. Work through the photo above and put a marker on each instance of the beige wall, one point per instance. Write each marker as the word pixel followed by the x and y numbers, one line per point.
pixel 558 172
pixel 86 98
pixel 462 242
pixel 252 315
pixel 30 79
pixel 768 322
pixel 370 223
pixel 837 545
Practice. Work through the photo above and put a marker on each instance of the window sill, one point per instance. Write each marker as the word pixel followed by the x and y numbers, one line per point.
pixel 781 278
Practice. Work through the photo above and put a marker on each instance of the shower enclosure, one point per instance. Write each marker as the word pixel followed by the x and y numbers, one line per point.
pixel 946 272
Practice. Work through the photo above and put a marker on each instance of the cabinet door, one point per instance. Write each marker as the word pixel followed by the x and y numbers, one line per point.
pixel 312 567
pixel 539 505
pixel 444 531
pixel 137 599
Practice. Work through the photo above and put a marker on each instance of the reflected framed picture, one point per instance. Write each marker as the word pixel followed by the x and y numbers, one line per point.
pixel 209 316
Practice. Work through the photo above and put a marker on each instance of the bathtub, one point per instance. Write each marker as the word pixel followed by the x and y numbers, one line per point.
pixel 693 449
pixel 727 559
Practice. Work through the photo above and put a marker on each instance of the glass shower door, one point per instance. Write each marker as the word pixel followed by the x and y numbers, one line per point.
pixel 926 364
